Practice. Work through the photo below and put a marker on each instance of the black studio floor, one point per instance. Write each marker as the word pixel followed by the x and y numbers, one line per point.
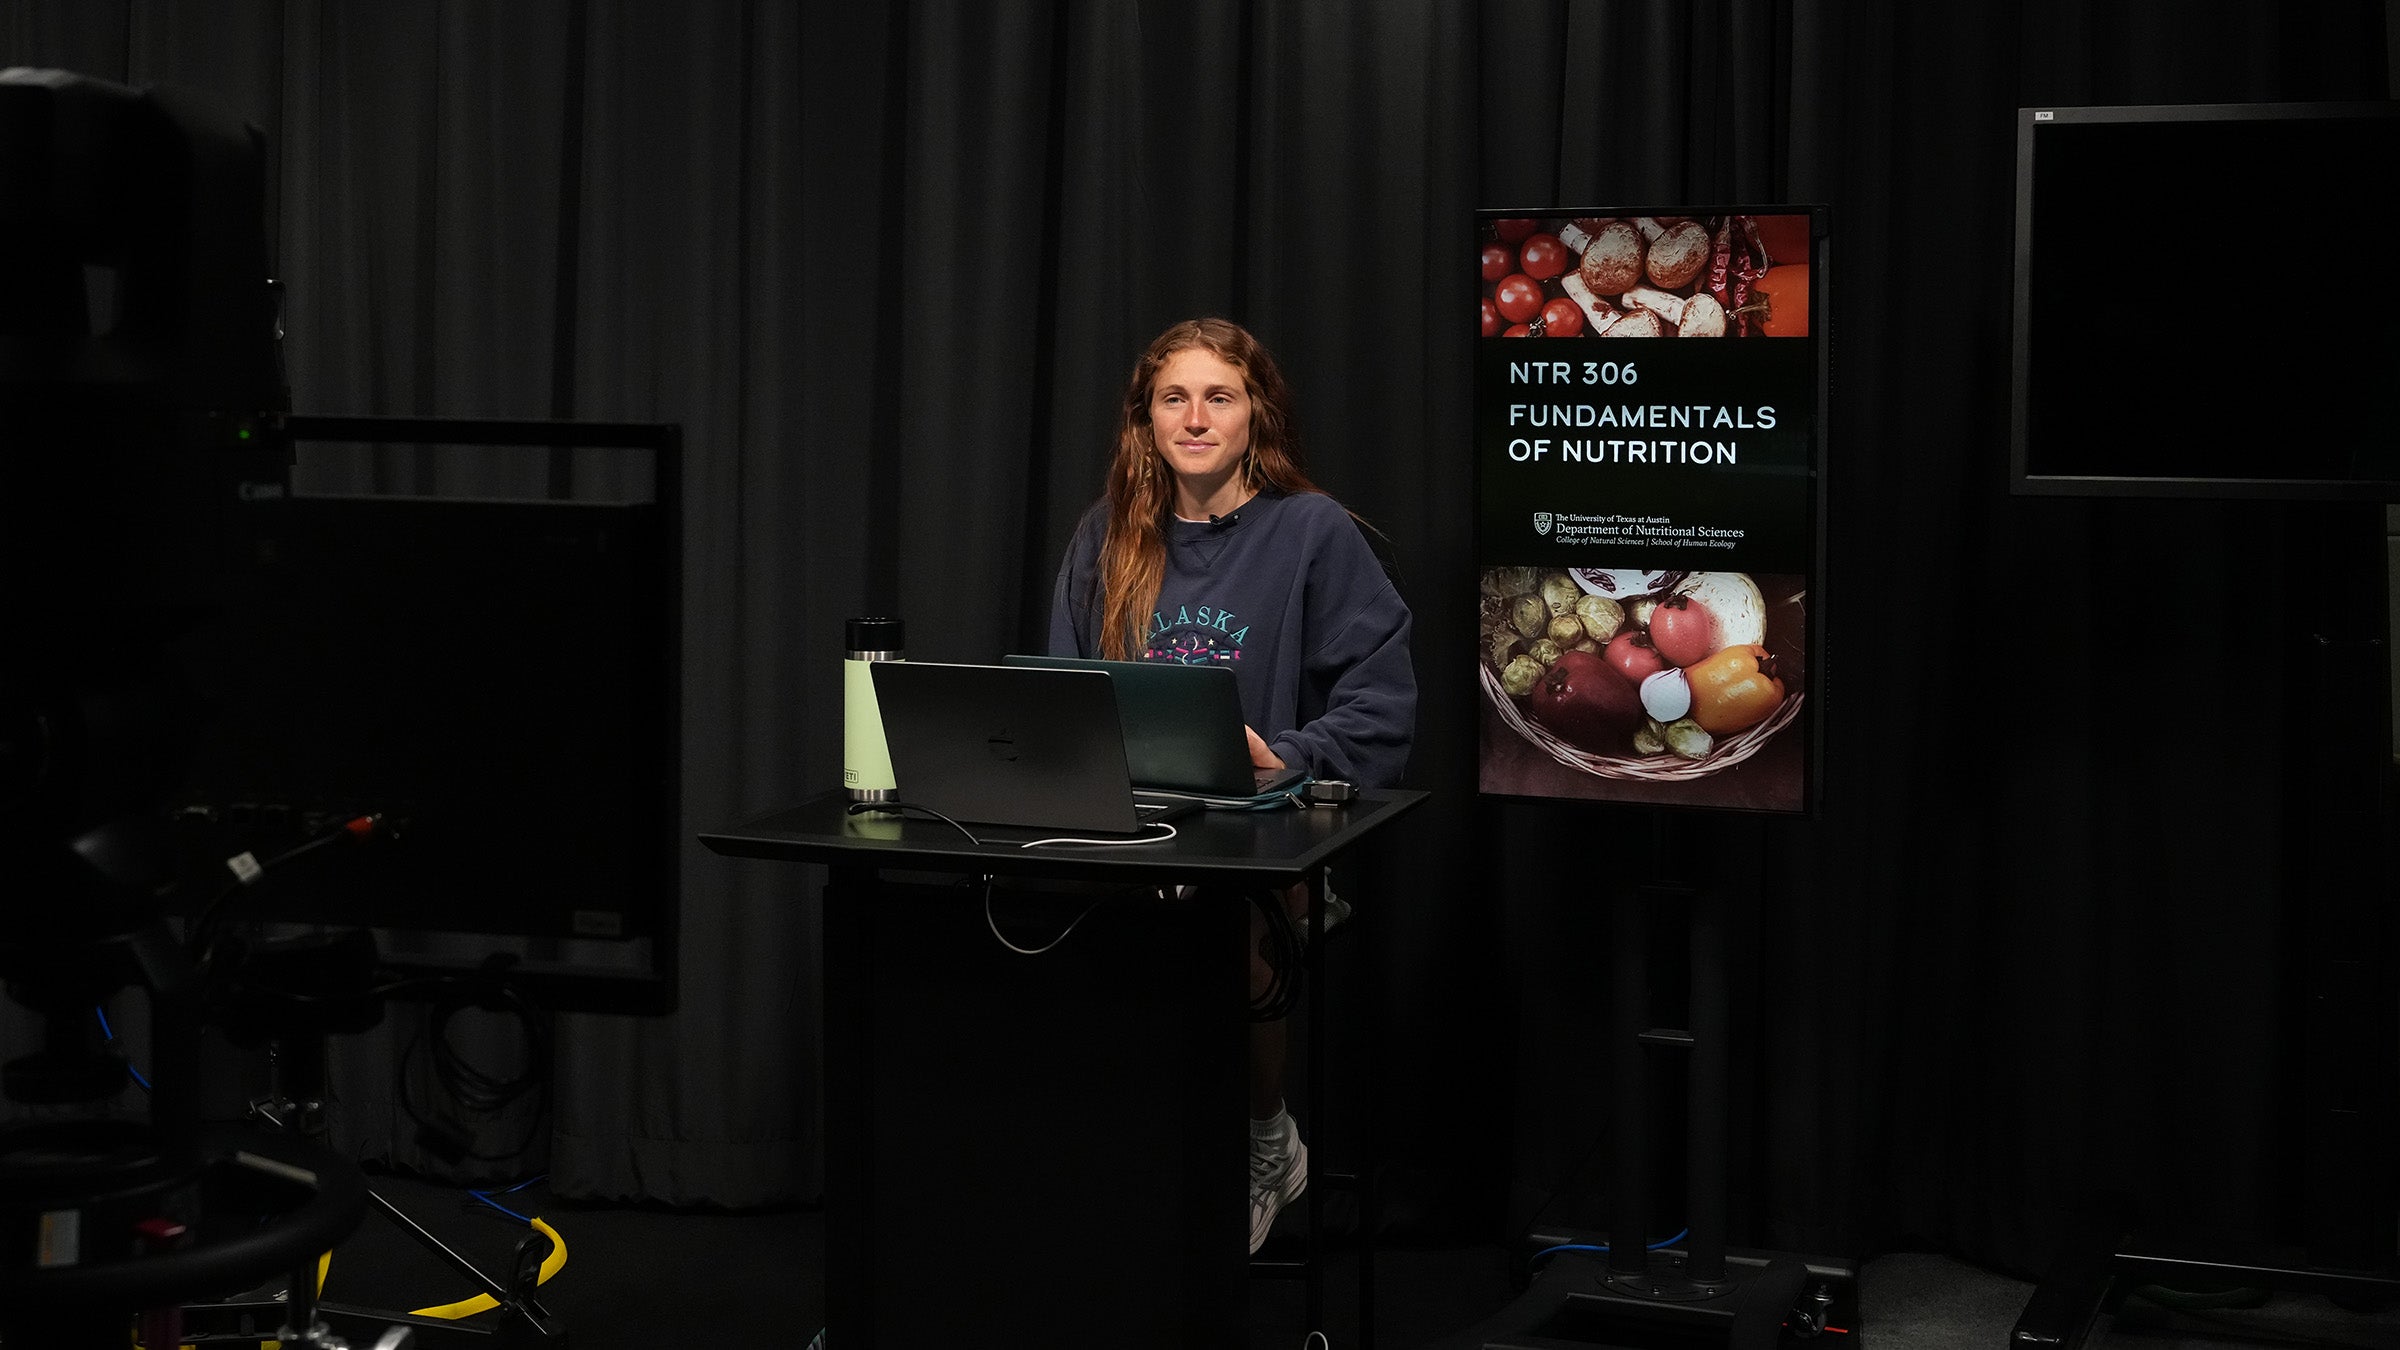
pixel 644 1277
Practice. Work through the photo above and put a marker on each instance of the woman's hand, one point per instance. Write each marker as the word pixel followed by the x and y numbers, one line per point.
pixel 1260 756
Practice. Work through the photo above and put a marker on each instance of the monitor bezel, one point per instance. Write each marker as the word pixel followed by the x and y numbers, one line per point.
pixel 2022 480
pixel 632 980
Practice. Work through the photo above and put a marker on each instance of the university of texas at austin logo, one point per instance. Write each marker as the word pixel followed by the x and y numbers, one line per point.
pixel 1541 522
pixel 1197 635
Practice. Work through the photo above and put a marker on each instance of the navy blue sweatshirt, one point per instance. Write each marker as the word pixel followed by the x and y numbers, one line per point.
pixel 1286 592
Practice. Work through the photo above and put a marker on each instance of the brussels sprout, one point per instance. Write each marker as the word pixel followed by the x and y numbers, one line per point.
pixel 1515 581
pixel 1519 678
pixel 1544 651
pixel 1641 610
pixel 1685 737
pixel 1560 592
pixel 1651 739
pixel 1500 645
pixel 1601 617
pixel 1566 630
pixel 1529 616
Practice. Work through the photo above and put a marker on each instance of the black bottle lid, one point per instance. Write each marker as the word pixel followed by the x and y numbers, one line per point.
pixel 874 635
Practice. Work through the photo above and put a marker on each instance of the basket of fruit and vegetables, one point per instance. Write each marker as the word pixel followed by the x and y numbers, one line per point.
pixel 1655 676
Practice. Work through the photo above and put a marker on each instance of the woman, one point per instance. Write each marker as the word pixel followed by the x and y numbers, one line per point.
pixel 1212 545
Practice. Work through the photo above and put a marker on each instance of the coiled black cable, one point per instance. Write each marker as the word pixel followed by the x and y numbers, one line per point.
pixel 476 1091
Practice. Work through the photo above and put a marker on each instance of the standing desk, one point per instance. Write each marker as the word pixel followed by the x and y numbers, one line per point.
pixel 1051 1146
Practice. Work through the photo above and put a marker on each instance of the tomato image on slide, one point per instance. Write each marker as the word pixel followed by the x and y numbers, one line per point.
pixel 1649 276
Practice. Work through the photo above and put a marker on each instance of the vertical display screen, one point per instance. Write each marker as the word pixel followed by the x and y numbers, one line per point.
pixel 1648 512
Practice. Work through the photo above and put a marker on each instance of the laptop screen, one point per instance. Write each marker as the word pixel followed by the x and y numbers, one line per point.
pixel 1183 726
pixel 1035 747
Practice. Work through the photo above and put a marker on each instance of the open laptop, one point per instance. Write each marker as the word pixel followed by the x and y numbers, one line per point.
pixel 1183 727
pixel 1028 747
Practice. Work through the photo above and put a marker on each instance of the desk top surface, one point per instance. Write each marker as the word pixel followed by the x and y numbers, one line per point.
pixel 1286 843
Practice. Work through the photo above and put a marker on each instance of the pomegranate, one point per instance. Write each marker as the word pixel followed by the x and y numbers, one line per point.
pixel 1588 702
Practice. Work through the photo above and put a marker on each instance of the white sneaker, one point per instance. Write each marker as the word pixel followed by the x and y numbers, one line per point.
pixel 1278 1174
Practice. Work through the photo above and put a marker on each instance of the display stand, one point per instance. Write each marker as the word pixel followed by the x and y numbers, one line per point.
pixel 2339 790
pixel 1700 1293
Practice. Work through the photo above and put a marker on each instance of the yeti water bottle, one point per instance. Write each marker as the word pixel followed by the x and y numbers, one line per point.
pixel 866 762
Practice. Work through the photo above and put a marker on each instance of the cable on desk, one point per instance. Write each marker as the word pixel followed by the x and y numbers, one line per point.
pixel 1112 843
pixel 903 808
pixel 1287 795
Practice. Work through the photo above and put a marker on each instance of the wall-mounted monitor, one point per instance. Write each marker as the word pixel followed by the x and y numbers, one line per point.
pixel 2199 304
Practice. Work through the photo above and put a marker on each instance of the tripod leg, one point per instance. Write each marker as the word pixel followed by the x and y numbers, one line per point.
pixel 301 1325
pixel 438 1247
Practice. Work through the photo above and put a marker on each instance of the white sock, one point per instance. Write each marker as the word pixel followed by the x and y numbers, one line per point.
pixel 1273 1130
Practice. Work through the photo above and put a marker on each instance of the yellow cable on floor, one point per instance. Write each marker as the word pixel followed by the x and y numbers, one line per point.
pixel 551 1265
pixel 485 1302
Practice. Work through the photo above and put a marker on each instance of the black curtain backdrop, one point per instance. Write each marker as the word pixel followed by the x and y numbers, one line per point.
pixel 888 265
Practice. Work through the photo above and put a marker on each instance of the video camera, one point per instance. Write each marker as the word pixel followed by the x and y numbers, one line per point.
pixel 138 367
pixel 175 651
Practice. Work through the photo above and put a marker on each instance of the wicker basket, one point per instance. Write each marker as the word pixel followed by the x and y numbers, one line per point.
pixel 1664 767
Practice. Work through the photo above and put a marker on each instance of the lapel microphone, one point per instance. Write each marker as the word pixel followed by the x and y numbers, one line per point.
pixel 1224 522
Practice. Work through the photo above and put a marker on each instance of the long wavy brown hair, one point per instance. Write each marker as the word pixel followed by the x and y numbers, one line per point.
pixel 1141 488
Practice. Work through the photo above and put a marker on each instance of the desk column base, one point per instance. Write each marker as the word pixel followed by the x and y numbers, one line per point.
pixel 1053 1145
